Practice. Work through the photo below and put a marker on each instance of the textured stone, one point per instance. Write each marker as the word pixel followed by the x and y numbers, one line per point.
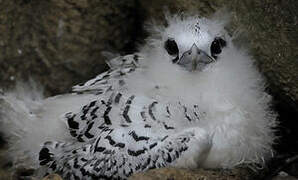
pixel 200 174
pixel 59 42
pixel 272 33
pixel 156 9
pixel 52 177
pixel 283 176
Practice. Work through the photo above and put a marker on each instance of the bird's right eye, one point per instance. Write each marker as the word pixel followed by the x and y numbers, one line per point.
pixel 216 46
pixel 171 47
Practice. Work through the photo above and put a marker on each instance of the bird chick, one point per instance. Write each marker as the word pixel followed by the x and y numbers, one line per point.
pixel 188 98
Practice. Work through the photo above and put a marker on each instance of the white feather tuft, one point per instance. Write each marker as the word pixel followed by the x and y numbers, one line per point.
pixel 28 120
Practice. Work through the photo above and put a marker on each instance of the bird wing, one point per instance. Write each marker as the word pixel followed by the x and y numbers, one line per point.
pixel 120 134
pixel 112 79
pixel 119 110
pixel 114 161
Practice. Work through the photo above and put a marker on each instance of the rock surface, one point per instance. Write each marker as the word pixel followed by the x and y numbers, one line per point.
pixel 59 42
pixel 177 174
pixel 52 177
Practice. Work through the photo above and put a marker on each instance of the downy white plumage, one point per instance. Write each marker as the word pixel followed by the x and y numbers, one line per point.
pixel 188 98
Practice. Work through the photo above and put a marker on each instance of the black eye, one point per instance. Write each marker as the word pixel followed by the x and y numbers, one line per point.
pixel 216 46
pixel 171 47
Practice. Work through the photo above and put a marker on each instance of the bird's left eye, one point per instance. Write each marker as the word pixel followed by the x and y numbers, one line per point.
pixel 171 47
pixel 216 46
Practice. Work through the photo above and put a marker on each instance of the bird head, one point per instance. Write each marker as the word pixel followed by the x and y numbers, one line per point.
pixel 193 43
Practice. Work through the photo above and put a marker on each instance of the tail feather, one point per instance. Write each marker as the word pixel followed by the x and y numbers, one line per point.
pixel 27 120
pixel 17 118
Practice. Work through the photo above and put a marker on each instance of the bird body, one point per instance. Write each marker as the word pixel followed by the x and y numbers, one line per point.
pixel 189 98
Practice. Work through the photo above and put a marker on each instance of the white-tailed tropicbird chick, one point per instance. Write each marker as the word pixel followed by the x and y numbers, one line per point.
pixel 189 98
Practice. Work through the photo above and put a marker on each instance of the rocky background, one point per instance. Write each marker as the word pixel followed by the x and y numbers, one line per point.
pixel 58 43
